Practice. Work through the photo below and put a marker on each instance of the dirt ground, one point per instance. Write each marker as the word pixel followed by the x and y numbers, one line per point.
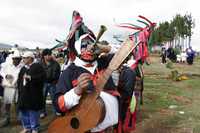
pixel 169 106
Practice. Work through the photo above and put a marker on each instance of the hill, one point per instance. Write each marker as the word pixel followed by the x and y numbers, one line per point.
pixel 3 45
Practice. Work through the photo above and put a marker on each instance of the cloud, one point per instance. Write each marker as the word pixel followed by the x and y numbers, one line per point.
pixel 44 20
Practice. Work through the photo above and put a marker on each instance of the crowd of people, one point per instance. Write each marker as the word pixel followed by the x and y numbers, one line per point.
pixel 180 57
pixel 25 82
pixel 27 79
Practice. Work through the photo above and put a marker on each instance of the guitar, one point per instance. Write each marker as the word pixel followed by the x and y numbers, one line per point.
pixel 87 114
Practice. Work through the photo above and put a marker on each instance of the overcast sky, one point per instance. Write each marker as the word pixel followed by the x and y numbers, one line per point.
pixel 39 22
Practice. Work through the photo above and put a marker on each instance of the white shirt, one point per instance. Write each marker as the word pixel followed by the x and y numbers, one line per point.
pixel 10 69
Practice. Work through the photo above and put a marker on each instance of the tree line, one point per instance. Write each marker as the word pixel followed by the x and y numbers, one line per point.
pixel 177 32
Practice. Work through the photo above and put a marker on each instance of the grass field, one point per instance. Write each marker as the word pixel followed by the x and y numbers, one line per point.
pixel 169 106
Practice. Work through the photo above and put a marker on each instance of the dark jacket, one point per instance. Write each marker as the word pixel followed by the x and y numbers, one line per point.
pixel 1 87
pixel 126 87
pixel 31 93
pixel 52 71
pixel 69 76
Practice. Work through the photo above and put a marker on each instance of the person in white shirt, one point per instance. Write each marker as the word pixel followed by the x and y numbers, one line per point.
pixel 183 57
pixel 9 71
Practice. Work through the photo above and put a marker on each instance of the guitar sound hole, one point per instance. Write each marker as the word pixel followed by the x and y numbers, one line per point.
pixel 75 123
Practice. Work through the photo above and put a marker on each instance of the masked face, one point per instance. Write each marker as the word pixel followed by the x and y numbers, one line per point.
pixel 87 49
pixel 87 53
pixel 75 13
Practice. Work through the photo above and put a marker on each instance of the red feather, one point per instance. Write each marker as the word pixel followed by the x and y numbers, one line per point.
pixel 146 19
pixel 129 27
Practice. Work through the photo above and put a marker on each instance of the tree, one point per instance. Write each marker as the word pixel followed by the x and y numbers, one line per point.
pixel 175 31
pixel 190 24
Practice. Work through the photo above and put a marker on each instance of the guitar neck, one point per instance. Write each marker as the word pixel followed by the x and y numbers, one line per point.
pixel 115 63
pixel 101 81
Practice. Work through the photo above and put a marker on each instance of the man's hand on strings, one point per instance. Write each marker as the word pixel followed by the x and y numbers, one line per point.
pixel 83 82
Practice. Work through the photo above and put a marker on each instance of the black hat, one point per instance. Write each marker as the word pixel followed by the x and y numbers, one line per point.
pixel 46 52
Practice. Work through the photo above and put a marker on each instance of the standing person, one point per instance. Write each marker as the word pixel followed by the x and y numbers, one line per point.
pixel 171 54
pixel 37 54
pixel 183 56
pixel 190 55
pixel 52 69
pixel 1 93
pixel 9 72
pixel 76 79
pixel 30 101
pixel 163 55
